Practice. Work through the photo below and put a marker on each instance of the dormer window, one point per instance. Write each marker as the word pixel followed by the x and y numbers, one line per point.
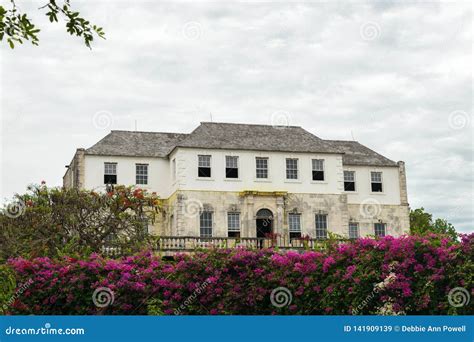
pixel 376 181
pixel 110 173
pixel 204 166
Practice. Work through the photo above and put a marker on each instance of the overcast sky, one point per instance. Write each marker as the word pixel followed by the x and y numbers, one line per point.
pixel 394 75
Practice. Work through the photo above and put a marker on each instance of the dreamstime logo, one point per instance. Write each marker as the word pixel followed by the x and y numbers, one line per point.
pixel 459 297
pixel 459 120
pixel 280 119
pixel 15 209
pixel 370 208
pixel 280 297
pixel 102 119
pixel 369 31
pixel 103 297
pixel 192 30
pixel 192 207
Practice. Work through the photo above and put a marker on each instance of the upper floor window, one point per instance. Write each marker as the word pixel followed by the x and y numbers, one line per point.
pixel 291 168
pixel 141 173
pixel 110 173
pixel 231 167
pixel 294 225
pixel 353 230
pixel 349 180
pixel 204 166
pixel 321 222
pixel 376 181
pixel 205 224
pixel 262 167
pixel 380 229
pixel 318 169
pixel 233 224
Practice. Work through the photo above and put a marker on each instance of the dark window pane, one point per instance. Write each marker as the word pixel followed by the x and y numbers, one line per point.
pixel 204 172
pixel 349 186
pixel 318 175
pixel 234 234
pixel 231 172
pixel 110 179
pixel 295 235
pixel 376 187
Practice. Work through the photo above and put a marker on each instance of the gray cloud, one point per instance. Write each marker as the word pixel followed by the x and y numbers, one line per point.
pixel 388 73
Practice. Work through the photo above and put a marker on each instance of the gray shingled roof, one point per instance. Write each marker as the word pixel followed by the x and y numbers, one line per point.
pixel 143 144
pixel 357 154
pixel 235 137
pixel 255 137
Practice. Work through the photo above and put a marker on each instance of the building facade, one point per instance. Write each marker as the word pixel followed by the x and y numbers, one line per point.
pixel 237 180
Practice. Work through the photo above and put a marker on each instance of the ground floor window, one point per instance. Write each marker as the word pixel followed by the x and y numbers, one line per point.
pixel 205 224
pixel 380 229
pixel 233 225
pixel 294 224
pixel 353 230
pixel 321 226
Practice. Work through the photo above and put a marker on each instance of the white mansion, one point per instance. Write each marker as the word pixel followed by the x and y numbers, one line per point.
pixel 239 180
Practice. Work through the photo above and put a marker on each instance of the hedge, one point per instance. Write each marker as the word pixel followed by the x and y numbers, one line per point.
pixel 406 275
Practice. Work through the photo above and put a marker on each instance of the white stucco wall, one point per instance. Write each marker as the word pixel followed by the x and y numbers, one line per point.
pixel 187 172
pixel 159 173
pixel 162 181
pixel 390 185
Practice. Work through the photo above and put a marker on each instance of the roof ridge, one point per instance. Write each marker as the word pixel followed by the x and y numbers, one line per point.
pixel 340 140
pixel 153 132
pixel 247 124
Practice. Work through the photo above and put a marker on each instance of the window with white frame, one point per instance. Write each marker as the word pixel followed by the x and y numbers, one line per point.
pixel 321 222
pixel 349 180
pixel 376 181
pixel 231 167
pixel 294 225
pixel 318 169
pixel 380 229
pixel 233 224
pixel 353 230
pixel 291 168
pixel 204 166
pixel 110 173
pixel 205 224
pixel 262 167
pixel 141 174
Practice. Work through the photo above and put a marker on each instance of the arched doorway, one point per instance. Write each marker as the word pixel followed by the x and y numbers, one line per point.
pixel 264 223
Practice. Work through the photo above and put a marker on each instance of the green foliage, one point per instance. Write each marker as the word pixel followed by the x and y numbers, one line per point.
pixel 7 287
pixel 55 222
pixel 17 27
pixel 421 223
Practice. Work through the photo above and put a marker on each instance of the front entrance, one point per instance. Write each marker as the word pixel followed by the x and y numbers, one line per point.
pixel 264 223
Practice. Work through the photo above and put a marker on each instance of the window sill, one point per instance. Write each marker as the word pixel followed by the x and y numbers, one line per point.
pixel 263 180
pixel 319 182
pixel 377 193
pixel 209 179
pixel 295 181
pixel 232 180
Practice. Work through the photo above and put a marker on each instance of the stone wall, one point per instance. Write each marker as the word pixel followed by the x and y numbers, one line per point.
pixel 74 177
pixel 181 213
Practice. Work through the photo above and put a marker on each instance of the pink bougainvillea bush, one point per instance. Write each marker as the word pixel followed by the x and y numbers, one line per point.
pixel 406 275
